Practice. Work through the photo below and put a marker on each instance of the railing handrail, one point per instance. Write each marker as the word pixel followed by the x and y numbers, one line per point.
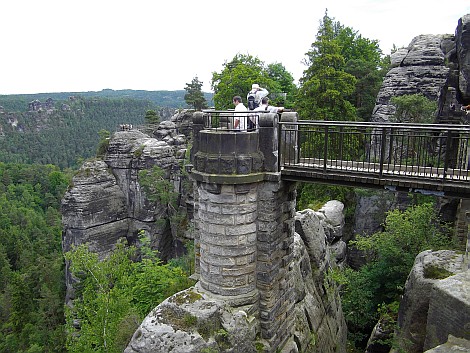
pixel 434 156
pixel 454 127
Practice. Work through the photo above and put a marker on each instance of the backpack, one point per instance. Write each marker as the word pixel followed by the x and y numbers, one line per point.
pixel 250 124
pixel 252 103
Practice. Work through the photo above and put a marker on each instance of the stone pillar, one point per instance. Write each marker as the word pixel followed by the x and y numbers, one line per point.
pixel 276 211
pixel 244 220
pixel 227 170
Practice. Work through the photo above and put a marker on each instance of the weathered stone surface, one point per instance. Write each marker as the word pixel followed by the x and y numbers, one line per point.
pixel 106 202
pixel 191 321
pixel 449 310
pixel 413 316
pixel 420 68
pixel 318 320
pixel 333 211
pixel 453 345
pixel 463 55
pixel 95 198
pixel 309 226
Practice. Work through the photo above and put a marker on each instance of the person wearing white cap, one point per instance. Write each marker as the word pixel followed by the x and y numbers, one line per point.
pixel 255 95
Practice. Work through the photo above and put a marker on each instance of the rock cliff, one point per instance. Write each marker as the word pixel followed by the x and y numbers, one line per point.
pixel 193 321
pixel 436 302
pixel 437 66
pixel 106 202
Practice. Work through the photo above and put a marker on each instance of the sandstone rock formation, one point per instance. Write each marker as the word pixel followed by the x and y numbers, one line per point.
pixel 106 202
pixel 436 302
pixel 463 56
pixel 194 321
pixel 437 66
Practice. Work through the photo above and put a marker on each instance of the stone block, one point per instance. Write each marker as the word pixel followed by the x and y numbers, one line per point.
pixel 244 165
pixel 217 218
pixel 232 251
pixel 449 310
pixel 241 229
pixel 227 165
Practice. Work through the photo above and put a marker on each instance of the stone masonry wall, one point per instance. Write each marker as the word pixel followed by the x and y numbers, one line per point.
pixel 227 225
pixel 276 211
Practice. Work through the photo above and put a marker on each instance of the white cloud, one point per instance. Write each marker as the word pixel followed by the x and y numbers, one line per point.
pixel 57 45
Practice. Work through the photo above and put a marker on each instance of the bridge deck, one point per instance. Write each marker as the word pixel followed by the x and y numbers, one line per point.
pixel 426 159
pixel 404 178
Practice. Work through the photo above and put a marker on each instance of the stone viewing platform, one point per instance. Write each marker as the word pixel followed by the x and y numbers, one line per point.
pixel 244 222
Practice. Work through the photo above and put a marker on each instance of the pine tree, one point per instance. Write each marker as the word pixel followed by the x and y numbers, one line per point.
pixel 152 117
pixel 325 85
pixel 194 96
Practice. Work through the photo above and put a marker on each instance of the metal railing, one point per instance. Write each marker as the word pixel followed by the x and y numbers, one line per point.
pixel 227 120
pixel 380 150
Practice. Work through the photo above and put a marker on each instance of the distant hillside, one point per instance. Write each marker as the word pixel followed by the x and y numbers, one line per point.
pixel 170 99
pixel 63 132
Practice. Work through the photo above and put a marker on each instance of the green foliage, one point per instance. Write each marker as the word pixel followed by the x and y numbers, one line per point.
pixel 156 187
pixel 343 77
pixel 346 147
pixel 391 255
pixel 31 264
pixel 152 117
pixel 62 136
pixel 160 190
pixel 113 291
pixel 325 85
pixel 194 96
pixel 435 272
pixel 103 144
pixel 284 89
pixel 414 108
pixel 241 72
pixel 314 196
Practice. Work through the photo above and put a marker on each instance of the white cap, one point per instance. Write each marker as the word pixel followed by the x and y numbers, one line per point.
pixel 254 86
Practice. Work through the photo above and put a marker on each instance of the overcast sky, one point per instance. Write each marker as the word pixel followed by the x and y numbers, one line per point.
pixel 90 45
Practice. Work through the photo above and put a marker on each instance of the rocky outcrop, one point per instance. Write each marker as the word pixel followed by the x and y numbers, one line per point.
pixel 106 202
pixel 436 66
pixel 195 321
pixel 436 302
pixel 463 56
pixel 420 68
pixel 453 345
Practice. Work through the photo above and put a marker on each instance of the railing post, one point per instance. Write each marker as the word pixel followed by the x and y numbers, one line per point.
pixel 447 154
pixel 325 150
pixel 382 151
pixel 390 148
pixel 341 140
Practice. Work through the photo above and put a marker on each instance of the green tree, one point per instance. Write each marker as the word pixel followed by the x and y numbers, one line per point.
pixel 31 263
pixel 114 292
pixel 160 190
pixel 152 117
pixel 283 91
pixel 414 108
pixel 236 78
pixel 391 255
pixel 103 143
pixel 194 96
pixel 325 85
pixel 363 60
